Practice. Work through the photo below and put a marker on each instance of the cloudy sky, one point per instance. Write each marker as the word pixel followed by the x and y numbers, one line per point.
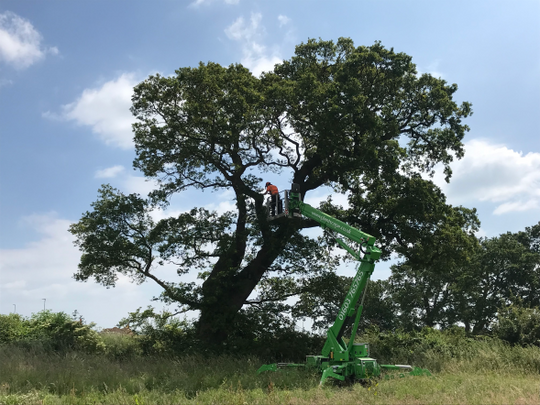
pixel 67 70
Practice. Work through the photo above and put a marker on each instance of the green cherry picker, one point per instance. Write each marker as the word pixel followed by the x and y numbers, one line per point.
pixel 340 359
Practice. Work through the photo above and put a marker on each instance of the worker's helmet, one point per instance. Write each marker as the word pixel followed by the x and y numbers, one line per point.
pixel 268 183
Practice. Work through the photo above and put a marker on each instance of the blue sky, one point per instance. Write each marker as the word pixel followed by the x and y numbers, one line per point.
pixel 67 70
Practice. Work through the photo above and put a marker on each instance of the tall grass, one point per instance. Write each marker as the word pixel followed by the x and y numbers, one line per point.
pixel 465 370
pixel 62 374
pixel 439 351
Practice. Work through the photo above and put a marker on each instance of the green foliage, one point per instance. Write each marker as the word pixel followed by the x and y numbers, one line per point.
pixel 450 350
pixel 120 237
pixel 121 346
pixel 518 325
pixel 54 331
pixel 505 267
pixel 117 233
pixel 268 332
pixel 482 376
pixel 161 333
pixel 259 330
pixel 457 279
pixel 422 284
pixel 415 347
pixel 12 328
pixel 59 331
pixel 358 119
pixel 322 301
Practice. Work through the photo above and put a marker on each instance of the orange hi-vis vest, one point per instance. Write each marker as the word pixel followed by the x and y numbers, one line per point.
pixel 273 189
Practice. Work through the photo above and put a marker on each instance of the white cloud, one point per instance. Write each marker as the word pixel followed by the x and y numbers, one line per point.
pixel 283 20
pixel 44 269
pixel 5 82
pixel 20 42
pixel 320 195
pixel 432 69
pixel 494 173
pixel 30 271
pixel 517 206
pixel 221 207
pixel 256 56
pixel 258 64
pixel 137 184
pixel 105 110
pixel 222 201
pixel 109 172
pixel 125 181
pixel 242 31
pixel 198 3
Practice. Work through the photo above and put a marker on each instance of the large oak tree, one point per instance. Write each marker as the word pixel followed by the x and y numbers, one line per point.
pixel 360 120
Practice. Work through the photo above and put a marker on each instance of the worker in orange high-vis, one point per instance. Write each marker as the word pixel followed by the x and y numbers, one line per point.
pixel 274 195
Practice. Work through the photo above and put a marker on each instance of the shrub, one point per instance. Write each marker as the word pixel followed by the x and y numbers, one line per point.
pixel 518 325
pixel 264 331
pixel 418 348
pixel 161 333
pixel 58 331
pixel 121 346
pixel 49 330
pixel 12 328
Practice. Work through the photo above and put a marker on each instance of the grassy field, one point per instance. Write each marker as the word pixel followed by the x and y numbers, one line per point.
pixel 461 388
pixel 489 374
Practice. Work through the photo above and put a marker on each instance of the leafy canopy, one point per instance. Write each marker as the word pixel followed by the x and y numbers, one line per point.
pixel 358 119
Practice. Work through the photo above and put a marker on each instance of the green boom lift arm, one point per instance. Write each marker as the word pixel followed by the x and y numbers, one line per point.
pixel 341 359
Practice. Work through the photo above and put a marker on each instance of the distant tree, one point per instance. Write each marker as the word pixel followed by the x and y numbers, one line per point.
pixel 505 268
pixel 358 119
pixel 518 324
pixel 322 301
pixel 465 281
pixel 423 284
pixel 529 286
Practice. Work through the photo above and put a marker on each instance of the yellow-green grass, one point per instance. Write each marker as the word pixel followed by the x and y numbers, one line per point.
pixel 488 372
pixel 445 388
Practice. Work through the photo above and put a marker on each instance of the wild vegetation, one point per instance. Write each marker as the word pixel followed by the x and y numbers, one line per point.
pixel 164 365
pixel 359 120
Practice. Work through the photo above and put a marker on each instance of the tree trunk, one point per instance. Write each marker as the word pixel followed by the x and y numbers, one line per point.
pixel 215 323
pixel 226 291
